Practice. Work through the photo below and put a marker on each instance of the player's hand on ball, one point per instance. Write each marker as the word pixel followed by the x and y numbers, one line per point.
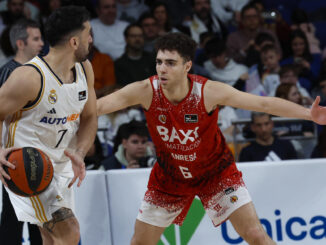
pixel 3 161
pixel 78 166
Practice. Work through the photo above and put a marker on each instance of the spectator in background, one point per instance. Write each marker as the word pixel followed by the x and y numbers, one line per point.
pixel 135 64
pixel 301 21
pixel 289 75
pixel 47 7
pixel 132 151
pixel 221 68
pixel 266 146
pixel 108 30
pixel 103 67
pixel 228 10
pixel 94 156
pixel 161 13
pixel 130 10
pixel 240 41
pixel 14 12
pixel 26 40
pixel 149 25
pixel 204 20
pixel 307 63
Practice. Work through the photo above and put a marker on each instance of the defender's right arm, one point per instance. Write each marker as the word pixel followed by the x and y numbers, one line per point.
pixel 136 93
pixel 22 86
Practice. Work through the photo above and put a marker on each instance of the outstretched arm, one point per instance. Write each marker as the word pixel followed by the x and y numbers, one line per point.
pixel 217 93
pixel 137 93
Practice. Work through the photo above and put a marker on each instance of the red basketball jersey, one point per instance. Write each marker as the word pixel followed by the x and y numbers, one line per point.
pixel 189 144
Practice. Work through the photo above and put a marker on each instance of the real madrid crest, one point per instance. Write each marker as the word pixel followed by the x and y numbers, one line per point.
pixel 52 97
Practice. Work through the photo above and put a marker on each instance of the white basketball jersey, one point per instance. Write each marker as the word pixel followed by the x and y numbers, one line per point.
pixel 50 123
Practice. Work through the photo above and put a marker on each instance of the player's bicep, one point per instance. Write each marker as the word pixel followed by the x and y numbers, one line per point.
pixel 137 93
pixel 22 87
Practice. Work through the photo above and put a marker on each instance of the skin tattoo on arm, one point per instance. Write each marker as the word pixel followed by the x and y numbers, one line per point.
pixel 59 215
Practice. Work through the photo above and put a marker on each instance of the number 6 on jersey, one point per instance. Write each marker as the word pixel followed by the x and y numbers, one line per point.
pixel 185 172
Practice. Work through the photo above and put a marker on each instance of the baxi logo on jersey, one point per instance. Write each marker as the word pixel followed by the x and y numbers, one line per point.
pixel 52 97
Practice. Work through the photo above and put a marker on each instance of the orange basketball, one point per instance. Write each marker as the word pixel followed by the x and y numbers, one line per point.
pixel 33 172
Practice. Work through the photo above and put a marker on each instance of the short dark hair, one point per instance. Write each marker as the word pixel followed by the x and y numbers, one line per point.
pixel 63 22
pixel 215 47
pixel 263 37
pixel 134 127
pixel 179 42
pixel 269 47
pixel 125 32
pixel 255 114
pixel 286 68
pixel 19 31
pixel 144 16
pixel 247 7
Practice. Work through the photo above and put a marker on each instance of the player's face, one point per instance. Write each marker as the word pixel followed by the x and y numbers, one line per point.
pixel 270 60
pixel 262 127
pixel 171 67
pixel 34 42
pixel 85 40
pixel 135 146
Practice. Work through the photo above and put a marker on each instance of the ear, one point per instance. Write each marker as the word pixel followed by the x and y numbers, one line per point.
pixel 188 65
pixel 20 44
pixel 74 42
pixel 124 142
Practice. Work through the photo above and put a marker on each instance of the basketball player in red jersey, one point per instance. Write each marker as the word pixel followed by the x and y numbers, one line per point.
pixel 192 157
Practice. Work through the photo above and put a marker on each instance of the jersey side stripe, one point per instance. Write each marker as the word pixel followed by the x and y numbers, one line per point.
pixel 42 209
pixel 12 122
pixel 40 95
pixel 35 209
pixel 14 130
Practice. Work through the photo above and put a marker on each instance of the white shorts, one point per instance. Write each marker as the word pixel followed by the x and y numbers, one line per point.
pixel 218 207
pixel 39 209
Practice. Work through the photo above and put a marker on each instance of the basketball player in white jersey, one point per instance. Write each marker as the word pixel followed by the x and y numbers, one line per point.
pixel 50 103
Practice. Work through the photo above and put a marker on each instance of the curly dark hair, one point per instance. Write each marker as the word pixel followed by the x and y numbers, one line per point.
pixel 63 22
pixel 179 42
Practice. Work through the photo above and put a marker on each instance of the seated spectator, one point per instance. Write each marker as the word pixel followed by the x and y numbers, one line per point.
pixel 226 115
pixel 288 75
pixel 108 30
pixel 228 10
pixel 14 12
pixel 240 41
pixel 308 64
pixel 296 128
pixel 204 20
pixel 264 81
pixel 94 156
pixel 222 68
pixel 149 25
pixel 103 67
pixel 301 21
pixel 132 152
pixel 160 12
pixel 130 10
pixel 266 146
pixel 135 64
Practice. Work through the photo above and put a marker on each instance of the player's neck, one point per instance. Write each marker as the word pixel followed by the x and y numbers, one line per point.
pixel 60 62
pixel 177 92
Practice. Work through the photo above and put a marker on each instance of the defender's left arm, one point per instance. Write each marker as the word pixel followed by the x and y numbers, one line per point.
pixel 87 129
pixel 217 93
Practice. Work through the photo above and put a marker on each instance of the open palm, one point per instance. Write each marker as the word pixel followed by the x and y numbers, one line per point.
pixel 78 167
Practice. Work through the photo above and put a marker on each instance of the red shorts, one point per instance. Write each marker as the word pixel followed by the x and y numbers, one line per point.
pixel 220 196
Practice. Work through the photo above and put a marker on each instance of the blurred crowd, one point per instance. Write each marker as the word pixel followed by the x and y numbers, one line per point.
pixel 264 47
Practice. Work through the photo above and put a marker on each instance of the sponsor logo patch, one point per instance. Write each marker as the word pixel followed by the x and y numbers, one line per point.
pixel 229 190
pixel 52 111
pixel 191 118
pixel 82 95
